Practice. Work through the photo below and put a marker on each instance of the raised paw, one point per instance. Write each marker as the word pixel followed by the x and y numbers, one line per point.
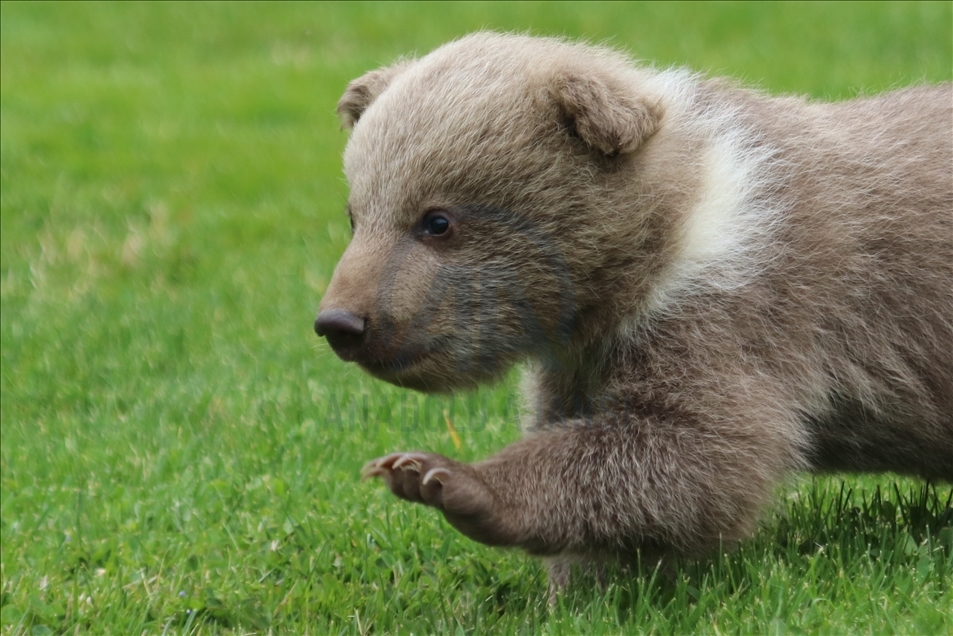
pixel 415 477
pixel 452 487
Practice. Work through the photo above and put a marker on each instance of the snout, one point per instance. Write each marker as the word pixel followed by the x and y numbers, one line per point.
pixel 354 339
pixel 343 330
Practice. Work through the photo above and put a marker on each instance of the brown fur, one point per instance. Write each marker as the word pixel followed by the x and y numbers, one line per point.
pixel 712 287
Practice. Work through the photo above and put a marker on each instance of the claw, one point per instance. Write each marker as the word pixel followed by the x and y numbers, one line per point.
pixel 433 474
pixel 408 465
pixel 371 471
pixel 379 466
pixel 411 460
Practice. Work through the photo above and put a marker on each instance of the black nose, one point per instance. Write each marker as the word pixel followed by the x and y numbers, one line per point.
pixel 342 329
pixel 338 322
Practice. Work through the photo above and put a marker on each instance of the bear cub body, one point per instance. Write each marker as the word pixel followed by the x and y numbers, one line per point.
pixel 711 288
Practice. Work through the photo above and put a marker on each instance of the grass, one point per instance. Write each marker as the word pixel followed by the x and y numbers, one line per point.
pixel 180 453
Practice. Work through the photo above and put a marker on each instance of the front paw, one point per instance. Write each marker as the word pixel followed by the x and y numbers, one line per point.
pixel 417 477
pixel 452 487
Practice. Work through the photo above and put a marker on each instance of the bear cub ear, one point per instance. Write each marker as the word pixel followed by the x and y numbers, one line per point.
pixel 607 120
pixel 362 92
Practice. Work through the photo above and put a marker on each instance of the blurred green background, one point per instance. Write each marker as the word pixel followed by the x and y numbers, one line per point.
pixel 180 452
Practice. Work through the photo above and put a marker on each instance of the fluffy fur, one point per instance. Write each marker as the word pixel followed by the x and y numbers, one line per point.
pixel 711 287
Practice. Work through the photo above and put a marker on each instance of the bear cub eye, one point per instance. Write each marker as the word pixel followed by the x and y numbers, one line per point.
pixel 436 223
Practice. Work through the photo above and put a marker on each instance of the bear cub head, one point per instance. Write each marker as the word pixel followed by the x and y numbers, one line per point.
pixel 491 208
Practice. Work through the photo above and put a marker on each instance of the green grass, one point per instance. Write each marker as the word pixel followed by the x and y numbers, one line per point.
pixel 180 453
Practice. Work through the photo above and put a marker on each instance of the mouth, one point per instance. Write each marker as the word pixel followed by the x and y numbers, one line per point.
pixel 405 357
pixel 394 366
pixel 409 367
pixel 404 372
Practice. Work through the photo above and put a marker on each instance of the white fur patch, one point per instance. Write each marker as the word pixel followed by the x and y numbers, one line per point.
pixel 721 238
pixel 719 229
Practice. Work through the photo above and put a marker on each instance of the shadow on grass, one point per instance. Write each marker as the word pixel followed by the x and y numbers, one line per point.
pixel 815 552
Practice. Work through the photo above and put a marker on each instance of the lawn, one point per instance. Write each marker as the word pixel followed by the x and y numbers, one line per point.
pixel 180 453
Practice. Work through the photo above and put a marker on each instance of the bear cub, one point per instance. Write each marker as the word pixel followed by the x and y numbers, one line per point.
pixel 710 288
